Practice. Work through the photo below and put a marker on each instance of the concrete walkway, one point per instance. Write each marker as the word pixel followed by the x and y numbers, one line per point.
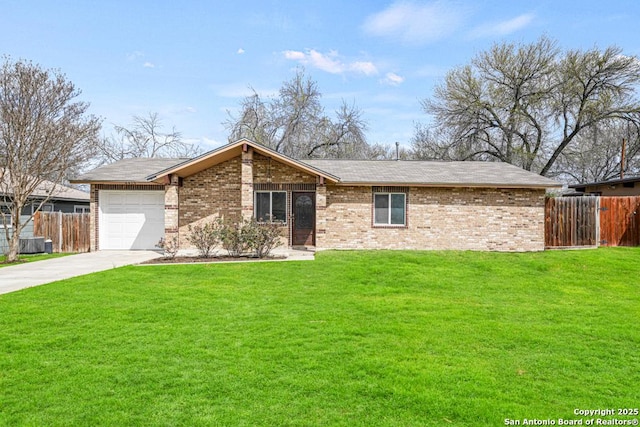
pixel 36 273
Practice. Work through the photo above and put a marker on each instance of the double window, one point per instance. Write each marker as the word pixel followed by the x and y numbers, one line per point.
pixel 271 206
pixel 389 209
pixel 80 209
pixel 46 207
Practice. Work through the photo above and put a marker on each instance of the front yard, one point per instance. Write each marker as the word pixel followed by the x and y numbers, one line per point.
pixel 354 338
pixel 31 258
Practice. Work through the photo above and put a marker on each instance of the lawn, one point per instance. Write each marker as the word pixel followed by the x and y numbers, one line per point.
pixel 352 339
pixel 32 258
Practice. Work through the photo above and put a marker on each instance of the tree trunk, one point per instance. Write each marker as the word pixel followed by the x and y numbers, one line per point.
pixel 14 247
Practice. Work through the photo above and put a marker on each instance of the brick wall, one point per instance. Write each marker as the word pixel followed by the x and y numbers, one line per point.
pixel 266 170
pixel 209 194
pixel 438 218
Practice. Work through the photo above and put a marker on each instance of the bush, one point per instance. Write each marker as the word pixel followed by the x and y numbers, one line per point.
pixel 232 238
pixel 263 237
pixel 250 236
pixel 170 246
pixel 205 237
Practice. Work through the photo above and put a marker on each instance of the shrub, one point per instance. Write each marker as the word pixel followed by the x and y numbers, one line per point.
pixel 264 237
pixel 205 237
pixel 170 246
pixel 232 238
pixel 250 236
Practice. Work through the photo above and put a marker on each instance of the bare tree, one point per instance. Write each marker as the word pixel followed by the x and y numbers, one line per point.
pixel 295 123
pixel 145 137
pixel 597 154
pixel 44 133
pixel 526 104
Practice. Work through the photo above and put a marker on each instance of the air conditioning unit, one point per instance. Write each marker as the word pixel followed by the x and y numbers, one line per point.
pixel 32 245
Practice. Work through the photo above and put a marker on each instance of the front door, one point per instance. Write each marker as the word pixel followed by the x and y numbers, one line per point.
pixel 304 219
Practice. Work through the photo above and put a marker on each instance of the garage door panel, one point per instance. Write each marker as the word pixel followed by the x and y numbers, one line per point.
pixel 131 219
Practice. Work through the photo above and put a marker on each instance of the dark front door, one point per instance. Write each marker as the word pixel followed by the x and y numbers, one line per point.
pixel 304 219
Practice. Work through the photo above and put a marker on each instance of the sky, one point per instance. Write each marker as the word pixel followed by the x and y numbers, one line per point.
pixel 193 62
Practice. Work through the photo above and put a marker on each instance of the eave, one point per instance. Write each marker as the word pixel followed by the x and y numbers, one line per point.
pixel 228 152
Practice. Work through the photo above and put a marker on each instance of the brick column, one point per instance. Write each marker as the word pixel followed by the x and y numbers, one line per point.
pixel 171 209
pixel 247 183
pixel 93 221
pixel 321 215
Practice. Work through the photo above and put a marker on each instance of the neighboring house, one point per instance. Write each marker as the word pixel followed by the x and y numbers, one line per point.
pixel 62 199
pixel 612 187
pixel 339 204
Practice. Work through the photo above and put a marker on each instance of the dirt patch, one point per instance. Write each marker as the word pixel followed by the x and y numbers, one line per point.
pixel 196 260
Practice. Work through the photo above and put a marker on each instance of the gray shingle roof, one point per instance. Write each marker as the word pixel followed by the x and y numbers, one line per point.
pixel 128 170
pixel 432 173
pixel 492 174
pixel 44 189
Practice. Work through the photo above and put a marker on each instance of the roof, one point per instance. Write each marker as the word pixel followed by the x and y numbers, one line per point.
pixel 128 170
pixel 46 188
pixel 229 151
pixel 432 173
pixel 341 172
pixel 607 182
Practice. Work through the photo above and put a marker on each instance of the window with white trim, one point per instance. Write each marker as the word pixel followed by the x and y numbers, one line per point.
pixel 46 207
pixel 271 206
pixel 389 208
pixel 5 216
pixel 80 209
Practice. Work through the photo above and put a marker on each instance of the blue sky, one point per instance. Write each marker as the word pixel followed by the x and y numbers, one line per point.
pixel 192 61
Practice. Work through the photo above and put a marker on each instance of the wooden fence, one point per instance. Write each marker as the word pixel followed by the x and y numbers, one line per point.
pixel 69 232
pixel 620 221
pixel 592 221
pixel 571 221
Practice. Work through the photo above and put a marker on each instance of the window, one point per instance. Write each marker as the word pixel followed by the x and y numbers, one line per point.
pixel 389 208
pixel 47 207
pixel 5 215
pixel 271 206
pixel 80 209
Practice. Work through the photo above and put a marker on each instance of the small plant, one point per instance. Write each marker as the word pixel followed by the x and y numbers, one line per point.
pixel 232 238
pixel 266 237
pixel 250 236
pixel 205 237
pixel 170 247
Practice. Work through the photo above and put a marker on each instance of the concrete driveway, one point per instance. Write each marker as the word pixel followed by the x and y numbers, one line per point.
pixel 36 273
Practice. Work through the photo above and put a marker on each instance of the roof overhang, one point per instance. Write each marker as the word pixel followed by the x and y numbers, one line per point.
pixel 228 152
pixel 446 185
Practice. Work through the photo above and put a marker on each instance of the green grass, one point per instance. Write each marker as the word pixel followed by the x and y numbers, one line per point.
pixel 31 258
pixel 352 339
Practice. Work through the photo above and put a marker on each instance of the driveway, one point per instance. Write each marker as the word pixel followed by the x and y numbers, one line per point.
pixel 37 273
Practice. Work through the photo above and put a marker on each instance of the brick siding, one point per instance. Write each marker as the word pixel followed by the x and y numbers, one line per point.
pixel 438 218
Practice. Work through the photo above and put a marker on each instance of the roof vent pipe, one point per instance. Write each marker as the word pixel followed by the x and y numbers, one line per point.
pixel 397 151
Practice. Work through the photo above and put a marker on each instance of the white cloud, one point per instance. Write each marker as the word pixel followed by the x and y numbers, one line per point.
pixel 132 56
pixel 366 68
pixel 293 54
pixel 149 65
pixel 502 28
pixel 240 51
pixel 392 79
pixel 415 23
pixel 330 62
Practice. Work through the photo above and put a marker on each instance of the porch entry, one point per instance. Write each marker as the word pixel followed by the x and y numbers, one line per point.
pixel 303 208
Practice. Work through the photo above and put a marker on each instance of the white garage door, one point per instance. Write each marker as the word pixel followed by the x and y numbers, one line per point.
pixel 131 219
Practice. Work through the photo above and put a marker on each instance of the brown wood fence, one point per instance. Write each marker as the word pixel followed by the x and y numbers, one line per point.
pixel 620 221
pixel 69 232
pixel 592 221
pixel 571 221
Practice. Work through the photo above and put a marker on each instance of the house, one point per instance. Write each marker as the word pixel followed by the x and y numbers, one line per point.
pixel 61 199
pixel 326 204
pixel 613 187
